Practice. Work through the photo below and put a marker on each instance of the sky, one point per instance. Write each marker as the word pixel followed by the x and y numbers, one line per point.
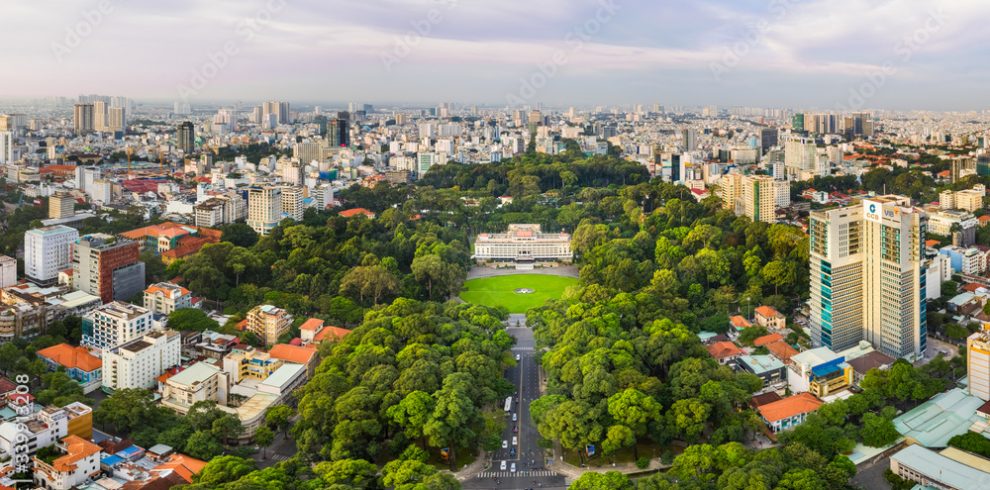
pixel 812 54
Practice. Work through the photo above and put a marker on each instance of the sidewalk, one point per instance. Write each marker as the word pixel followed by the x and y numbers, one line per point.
pixel 470 471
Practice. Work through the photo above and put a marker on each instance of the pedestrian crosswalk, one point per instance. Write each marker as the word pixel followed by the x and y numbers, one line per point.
pixel 518 474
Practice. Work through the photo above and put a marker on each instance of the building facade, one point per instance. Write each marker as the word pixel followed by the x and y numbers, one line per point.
pixel 868 278
pixel 108 267
pixel 268 323
pixel 523 244
pixel 47 251
pixel 164 298
pixel 114 324
pixel 264 208
pixel 139 362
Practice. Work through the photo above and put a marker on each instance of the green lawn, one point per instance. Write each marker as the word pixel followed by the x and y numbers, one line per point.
pixel 501 290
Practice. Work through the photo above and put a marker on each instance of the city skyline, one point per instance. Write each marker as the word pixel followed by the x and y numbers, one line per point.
pixel 829 55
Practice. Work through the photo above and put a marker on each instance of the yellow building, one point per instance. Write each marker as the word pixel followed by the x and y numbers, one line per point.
pixel 978 363
pixel 268 323
pixel 254 364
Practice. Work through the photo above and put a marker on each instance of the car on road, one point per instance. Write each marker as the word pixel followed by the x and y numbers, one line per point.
pixel 512 452
pixel 518 357
pixel 515 441
pixel 505 444
pixel 514 417
pixel 515 428
pixel 502 468
pixel 512 468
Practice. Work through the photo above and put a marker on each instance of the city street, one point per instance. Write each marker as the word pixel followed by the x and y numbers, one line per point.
pixel 526 454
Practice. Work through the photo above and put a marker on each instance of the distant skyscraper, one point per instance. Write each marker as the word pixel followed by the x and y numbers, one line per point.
pixel 690 139
pixel 339 130
pixel 264 208
pixel 6 146
pixel 321 123
pixel 117 119
pixel 768 139
pixel 186 137
pixel 279 109
pixel 797 122
pixel 47 251
pixel 100 116
pixel 82 118
pixel 868 277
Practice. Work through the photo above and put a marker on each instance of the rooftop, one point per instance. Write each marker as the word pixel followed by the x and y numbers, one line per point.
pixel 762 364
pixel 71 357
pixel 946 470
pixel 767 311
pixel 292 353
pixel 789 407
pixel 195 374
pixel 936 421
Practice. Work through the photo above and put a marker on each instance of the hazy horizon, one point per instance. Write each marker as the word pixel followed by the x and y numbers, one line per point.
pixel 894 54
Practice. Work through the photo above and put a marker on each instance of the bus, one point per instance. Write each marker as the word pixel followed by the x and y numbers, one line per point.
pixel 508 404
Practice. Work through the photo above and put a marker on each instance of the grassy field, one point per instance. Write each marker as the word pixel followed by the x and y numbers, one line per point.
pixel 501 290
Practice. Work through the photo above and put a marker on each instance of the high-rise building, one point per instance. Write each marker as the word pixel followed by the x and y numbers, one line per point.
pixel 116 119
pixel 339 130
pixel 61 204
pixel 138 363
pixel 756 196
pixel 292 202
pixel 868 278
pixel 268 323
pixel 6 146
pixel 47 251
pixel 100 116
pixel 108 267
pixel 978 363
pixel 113 324
pixel 689 139
pixel 83 118
pixel 797 123
pixel 186 137
pixel 279 109
pixel 768 139
pixel 264 208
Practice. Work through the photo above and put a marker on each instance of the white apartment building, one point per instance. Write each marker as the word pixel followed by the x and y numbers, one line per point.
pixel 113 324
pixel 79 464
pixel 6 147
pixel 756 196
pixel 264 208
pixel 165 297
pixel 199 382
pixel 47 251
pixel 8 271
pixel 209 213
pixel 139 363
pixel 868 280
pixel 968 200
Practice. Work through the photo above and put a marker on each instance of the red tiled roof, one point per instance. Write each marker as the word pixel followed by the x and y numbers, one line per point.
pixel 781 350
pixel 766 339
pixel 767 311
pixel 70 357
pixel 740 322
pixel 356 211
pixel 723 350
pixel 789 407
pixel 292 353
pixel 313 324
pixel 330 333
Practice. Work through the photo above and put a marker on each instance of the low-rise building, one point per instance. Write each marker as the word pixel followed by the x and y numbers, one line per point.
pixel 933 470
pixel 724 352
pixel 768 317
pixel 164 298
pixel 250 364
pixel 524 246
pixel 200 382
pixel 79 464
pixel 788 412
pixel 78 363
pixel 767 368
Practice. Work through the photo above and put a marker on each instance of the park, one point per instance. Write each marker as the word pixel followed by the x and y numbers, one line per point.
pixel 516 292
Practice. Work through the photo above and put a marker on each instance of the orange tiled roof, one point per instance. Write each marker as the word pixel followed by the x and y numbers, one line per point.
pixel 330 333
pixel 766 339
pixel 789 407
pixel 356 211
pixel 76 449
pixel 184 466
pixel 171 229
pixel 292 353
pixel 187 246
pixel 167 292
pixel 311 324
pixel 767 311
pixel 723 350
pixel 72 357
pixel 740 322
pixel 781 350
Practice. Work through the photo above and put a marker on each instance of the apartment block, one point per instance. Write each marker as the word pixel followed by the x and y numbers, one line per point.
pixel 139 363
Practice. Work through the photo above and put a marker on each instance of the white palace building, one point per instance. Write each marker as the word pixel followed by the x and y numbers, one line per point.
pixel 524 247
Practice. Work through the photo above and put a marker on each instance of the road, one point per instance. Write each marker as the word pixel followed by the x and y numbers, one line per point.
pixel 526 454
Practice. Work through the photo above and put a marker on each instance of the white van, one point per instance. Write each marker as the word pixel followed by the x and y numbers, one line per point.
pixel 503 465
